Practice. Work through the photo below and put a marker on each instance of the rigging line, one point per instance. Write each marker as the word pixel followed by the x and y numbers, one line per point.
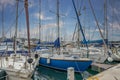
pixel 97 23
pixel 116 14
pixel 14 21
pixel 79 10
pixel 112 18
pixel 16 25
pixel 78 68
pixel 80 7
pixel 17 4
pixel 93 33
pixel 74 32
pixel 105 20
pixel 117 20
pixel 112 21
pixel 118 17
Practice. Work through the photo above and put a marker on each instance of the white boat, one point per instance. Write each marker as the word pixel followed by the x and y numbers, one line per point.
pixel 17 67
pixel 7 47
pixel 95 54
pixel 114 54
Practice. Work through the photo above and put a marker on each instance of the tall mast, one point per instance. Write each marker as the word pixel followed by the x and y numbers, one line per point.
pixel 16 26
pixel 105 26
pixel 78 40
pixel 98 25
pixel 80 27
pixel 39 19
pixel 3 21
pixel 105 20
pixel 58 24
pixel 58 18
pixel 27 23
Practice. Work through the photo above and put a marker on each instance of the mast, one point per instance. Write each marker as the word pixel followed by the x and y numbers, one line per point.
pixel 27 23
pixel 58 24
pixel 98 25
pixel 80 27
pixel 105 21
pixel 39 19
pixel 105 26
pixel 3 21
pixel 16 26
pixel 58 18
pixel 78 40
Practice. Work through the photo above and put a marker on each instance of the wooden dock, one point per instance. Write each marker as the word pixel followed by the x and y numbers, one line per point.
pixel 100 67
pixel 109 74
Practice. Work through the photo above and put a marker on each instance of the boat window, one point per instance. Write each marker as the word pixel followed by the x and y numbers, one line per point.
pixel 10 46
pixel 119 50
pixel 10 43
pixel 94 51
pixel 65 52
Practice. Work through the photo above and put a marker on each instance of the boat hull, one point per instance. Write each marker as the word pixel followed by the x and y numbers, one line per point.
pixel 78 65
pixel 3 52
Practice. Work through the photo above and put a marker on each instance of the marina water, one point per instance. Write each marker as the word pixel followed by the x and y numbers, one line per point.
pixel 44 73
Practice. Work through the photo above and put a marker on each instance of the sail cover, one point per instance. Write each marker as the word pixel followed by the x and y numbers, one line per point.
pixel 57 43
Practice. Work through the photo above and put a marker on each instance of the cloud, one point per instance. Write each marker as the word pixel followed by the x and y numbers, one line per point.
pixel 7 2
pixel 97 30
pixel 42 16
pixel 114 26
pixel 48 31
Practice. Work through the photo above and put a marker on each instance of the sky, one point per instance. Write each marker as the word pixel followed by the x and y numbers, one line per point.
pixel 67 20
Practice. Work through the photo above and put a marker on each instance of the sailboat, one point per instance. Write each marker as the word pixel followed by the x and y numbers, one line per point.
pixel 114 54
pixel 18 66
pixel 7 44
pixel 41 46
pixel 61 60
pixel 6 47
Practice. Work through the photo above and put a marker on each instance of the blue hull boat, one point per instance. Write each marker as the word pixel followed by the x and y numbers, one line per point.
pixel 60 64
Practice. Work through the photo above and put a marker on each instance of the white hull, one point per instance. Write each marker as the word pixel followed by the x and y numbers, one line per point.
pixel 97 55
pixel 16 69
pixel 18 75
pixel 115 54
pixel 115 57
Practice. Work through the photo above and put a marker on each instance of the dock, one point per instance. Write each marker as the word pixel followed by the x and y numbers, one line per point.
pixel 109 74
pixel 100 67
